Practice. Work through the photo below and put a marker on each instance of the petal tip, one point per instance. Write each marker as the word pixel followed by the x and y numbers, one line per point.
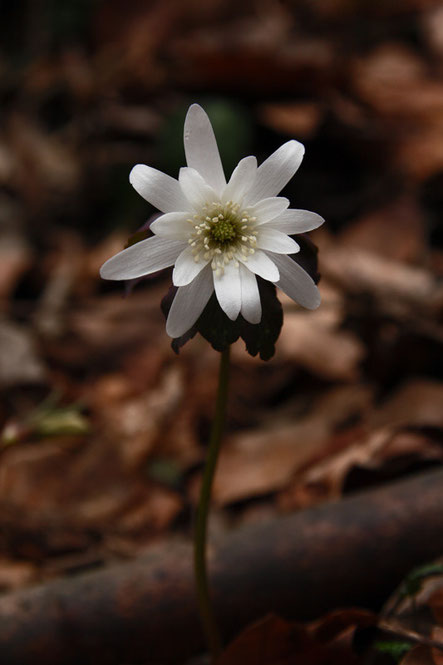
pixel 195 108
pixel 254 318
pixel 232 315
pixel 171 330
pixel 134 172
pixel 195 112
pixel 297 145
pixel 315 302
pixel 106 271
pixel 177 279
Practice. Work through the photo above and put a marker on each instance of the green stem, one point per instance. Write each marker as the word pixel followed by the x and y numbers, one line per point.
pixel 201 577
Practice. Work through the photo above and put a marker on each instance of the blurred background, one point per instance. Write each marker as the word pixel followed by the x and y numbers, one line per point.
pixel 103 428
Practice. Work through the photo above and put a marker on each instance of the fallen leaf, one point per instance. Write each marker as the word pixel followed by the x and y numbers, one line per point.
pixel 420 655
pixel 19 360
pixel 417 402
pixel 432 22
pixel 316 341
pixel 293 119
pixel 45 164
pixel 139 420
pixel 270 641
pixel 15 251
pixel 258 462
pixel 414 612
pixel 15 574
pixel 399 288
pixel 274 641
pixel 395 231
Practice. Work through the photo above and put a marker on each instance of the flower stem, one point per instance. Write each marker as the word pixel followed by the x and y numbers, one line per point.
pixel 201 577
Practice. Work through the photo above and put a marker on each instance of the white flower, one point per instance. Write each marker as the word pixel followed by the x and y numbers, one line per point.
pixel 220 235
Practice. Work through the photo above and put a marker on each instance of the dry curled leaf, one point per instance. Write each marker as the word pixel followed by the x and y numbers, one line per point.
pixel 259 462
pixel 274 641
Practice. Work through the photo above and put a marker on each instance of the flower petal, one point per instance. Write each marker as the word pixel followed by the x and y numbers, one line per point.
pixel 201 148
pixel 172 225
pixel 143 258
pixel 276 241
pixel 267 209
pixel 242 179
pixel 296 282
pixel 296 221
pixel 261 265
pixel 189 302
pixel 187 268
pixel 250 296
pixel 228 290
pixel 195 188
pixel 159 189
pixel 276 171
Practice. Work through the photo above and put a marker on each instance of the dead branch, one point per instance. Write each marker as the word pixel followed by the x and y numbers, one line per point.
pixel 350 552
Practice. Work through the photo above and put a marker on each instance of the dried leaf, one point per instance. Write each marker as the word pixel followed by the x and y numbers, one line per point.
pixel 396 231
pixel 258 462
pixel 293 119
pixel 19 361
pixel 316 341
pixel 274 641
pixel 270 641
pixel 420 655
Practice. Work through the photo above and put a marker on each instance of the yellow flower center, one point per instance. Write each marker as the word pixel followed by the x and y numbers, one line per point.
pixel 223 230
pixel 222 233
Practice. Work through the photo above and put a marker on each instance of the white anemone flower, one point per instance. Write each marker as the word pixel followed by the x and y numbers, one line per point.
pixel 220 236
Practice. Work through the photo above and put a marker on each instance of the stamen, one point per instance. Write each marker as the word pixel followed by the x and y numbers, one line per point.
pixel 221 234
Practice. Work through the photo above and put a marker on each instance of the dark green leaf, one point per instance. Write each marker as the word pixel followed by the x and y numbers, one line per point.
pixel 394 648
pixel 216 327
pixel 261 338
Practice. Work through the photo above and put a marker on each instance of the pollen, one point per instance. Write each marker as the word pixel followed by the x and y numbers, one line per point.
pixel 222 233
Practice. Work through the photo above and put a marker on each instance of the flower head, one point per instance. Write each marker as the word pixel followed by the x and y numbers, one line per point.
pixel 220 235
